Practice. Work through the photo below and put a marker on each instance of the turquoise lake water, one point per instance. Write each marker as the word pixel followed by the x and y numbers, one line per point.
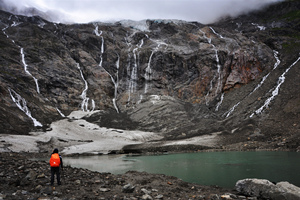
pixel 207 168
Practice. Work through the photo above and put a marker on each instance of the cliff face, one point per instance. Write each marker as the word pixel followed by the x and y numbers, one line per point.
pixel 179 78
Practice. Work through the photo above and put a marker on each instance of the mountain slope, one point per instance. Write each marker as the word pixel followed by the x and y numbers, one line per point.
pixel 238 78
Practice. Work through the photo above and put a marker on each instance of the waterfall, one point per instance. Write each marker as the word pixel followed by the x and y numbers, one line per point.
pixel 61 114
pixel 231 109
pixel 220 36
pixel 23 58
pixel 220 102
pixel 266 76
pixel 260 84
pixel 27 72
pixel 219 69
pixel 133 76
pixel 93 105
pixel 22 105
pixel 85 99
pixel 96 31
pixel 210 89
pixel 115 82
pixel 148 73
pixel 275 92
pixel 204 35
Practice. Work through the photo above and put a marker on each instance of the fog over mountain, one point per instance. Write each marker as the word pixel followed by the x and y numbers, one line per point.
pixel 203 11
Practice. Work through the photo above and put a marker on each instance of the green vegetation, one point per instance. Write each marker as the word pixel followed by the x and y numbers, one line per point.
pixel 290 16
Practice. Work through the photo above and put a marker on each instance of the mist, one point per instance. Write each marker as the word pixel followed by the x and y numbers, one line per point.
pixel 79 11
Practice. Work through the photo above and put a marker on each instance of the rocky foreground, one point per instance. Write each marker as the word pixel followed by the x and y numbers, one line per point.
pixel 23 177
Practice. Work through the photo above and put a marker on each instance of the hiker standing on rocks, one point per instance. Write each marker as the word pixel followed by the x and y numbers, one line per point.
pixel 55 163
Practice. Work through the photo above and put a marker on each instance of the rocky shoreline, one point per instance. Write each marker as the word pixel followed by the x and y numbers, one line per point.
pixel 24 177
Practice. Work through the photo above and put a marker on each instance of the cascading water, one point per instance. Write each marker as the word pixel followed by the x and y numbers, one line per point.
pixel 266 76
pixel 275 92
pixel 85 99
pixel 133 76
pixel 96 31
pixel 220 36
pixel 258 86
pixel 61 114
pixel 22 105
pixel 209 40
pixel 220 102
pixel 27 72
pixel 23 57
pixel 115 82
pixel 218 71
pixel 148 71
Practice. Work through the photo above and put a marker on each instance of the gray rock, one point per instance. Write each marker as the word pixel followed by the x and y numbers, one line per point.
pixel 147 197
pixel 145 191
pixel 128 188
pixel 46 190
pixel 31 175
pixel 160 196
pixel 290 191
pixel 262 188
pixel 254 187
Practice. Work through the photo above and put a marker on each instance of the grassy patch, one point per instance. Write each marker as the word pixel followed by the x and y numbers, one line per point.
pixel 291 16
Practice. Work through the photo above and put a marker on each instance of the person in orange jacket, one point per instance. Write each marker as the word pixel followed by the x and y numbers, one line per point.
pixel 55 163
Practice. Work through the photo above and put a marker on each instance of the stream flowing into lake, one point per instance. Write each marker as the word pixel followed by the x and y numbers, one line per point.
pixel 206 168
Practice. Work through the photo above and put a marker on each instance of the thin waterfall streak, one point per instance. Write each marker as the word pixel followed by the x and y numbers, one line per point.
pixel 22 105
pixel 220 102
pixel 275 92
pixel 277 59
pixel 85 100
pixel 93 105
pixel 260 84
pixel 115 82
pixel 266 76
pixel 96 31
pixel 220 36
pixel 27 72
pixel 61 114
pixel 148 73
pixel 232 109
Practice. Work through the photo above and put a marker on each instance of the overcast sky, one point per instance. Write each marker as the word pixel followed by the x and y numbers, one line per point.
pixel 83 11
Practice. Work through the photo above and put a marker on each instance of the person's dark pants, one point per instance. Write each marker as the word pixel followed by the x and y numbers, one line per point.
pixel 55 170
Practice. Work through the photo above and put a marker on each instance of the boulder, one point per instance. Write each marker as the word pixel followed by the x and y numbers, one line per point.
pixel 265 189
pixel 128 188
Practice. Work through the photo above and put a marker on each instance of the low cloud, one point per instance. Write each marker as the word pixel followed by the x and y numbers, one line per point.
pixel 203 11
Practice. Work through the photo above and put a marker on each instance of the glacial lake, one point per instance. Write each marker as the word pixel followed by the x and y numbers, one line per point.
pixel 206 168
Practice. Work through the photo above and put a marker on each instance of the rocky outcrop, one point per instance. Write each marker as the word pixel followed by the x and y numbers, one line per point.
pixel 265 189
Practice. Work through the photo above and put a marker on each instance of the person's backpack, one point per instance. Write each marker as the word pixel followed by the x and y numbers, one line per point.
pixel 55 160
